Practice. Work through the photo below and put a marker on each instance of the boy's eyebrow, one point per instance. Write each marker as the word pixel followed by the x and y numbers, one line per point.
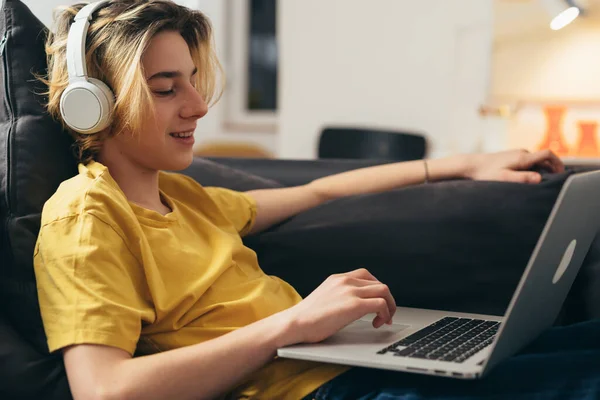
pixel 171 74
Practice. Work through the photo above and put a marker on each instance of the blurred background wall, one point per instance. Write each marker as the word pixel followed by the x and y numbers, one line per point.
pixel 469 75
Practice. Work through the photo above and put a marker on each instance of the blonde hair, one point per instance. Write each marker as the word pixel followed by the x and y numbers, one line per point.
pixel 117 38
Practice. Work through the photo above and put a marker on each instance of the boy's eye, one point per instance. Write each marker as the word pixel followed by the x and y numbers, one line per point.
pixel 164 92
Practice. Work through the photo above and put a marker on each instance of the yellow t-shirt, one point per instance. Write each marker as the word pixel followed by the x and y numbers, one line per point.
pixel 110 272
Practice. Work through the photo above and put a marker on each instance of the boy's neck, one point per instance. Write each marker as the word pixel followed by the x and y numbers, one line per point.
pixel 139 183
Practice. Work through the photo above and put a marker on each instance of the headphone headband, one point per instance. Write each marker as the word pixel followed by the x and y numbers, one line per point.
pixel 76 64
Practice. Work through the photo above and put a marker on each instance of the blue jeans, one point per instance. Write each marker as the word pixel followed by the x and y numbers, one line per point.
pixel 563 363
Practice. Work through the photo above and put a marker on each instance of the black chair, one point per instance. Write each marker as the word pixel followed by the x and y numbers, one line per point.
pixel 362 143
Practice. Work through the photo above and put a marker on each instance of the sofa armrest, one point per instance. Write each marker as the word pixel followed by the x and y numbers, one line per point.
pixel 294 172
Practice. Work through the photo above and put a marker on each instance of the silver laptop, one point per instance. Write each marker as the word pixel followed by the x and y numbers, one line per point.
pixel 467 346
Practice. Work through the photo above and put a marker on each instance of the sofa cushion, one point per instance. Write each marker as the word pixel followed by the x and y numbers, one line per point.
pixel 25 372
pixel 210 173
pixel 35 157
pixel 437 246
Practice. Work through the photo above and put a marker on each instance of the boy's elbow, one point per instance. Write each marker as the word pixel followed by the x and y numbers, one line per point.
pixel 109 392
pixel 103 391
pixel 97 372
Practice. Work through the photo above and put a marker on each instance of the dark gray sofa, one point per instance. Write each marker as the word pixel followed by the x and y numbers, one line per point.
pixel 398 235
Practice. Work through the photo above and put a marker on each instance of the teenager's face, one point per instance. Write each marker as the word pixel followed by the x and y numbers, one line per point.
pixel 166 142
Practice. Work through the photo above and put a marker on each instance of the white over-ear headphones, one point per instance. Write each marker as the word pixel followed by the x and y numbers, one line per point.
pixel 87 103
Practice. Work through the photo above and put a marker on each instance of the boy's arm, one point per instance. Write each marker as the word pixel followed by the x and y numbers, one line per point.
pixel 209 369
pixel 276 205
pixel 205 370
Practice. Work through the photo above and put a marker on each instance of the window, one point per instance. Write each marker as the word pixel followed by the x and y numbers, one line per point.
pixel 252 65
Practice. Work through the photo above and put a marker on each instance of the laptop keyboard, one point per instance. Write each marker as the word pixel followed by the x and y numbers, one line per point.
pixel 449 339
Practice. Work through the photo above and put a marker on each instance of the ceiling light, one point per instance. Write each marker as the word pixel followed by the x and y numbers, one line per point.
pixel 563 12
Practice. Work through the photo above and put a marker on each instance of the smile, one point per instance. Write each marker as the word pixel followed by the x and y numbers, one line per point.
pixel 182 134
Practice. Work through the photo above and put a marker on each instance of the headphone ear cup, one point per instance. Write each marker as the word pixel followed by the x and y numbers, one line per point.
pixel 109 98
pixel 86 106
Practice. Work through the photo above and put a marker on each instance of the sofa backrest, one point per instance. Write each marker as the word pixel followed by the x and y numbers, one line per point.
pixel 35 156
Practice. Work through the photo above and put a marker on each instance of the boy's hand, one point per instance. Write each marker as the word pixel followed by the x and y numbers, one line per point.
pixel 512 165
pixel 340 300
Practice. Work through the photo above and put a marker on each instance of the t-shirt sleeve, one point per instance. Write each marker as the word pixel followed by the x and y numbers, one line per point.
pixel 88 284
pixel 238 207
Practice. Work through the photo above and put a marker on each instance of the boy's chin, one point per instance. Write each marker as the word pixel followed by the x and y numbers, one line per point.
pixel 179 163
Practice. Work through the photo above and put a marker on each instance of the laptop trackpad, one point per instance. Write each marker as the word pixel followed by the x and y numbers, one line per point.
pixel 362 332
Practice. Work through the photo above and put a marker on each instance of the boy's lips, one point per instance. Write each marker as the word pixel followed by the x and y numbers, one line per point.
pixel 182 134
